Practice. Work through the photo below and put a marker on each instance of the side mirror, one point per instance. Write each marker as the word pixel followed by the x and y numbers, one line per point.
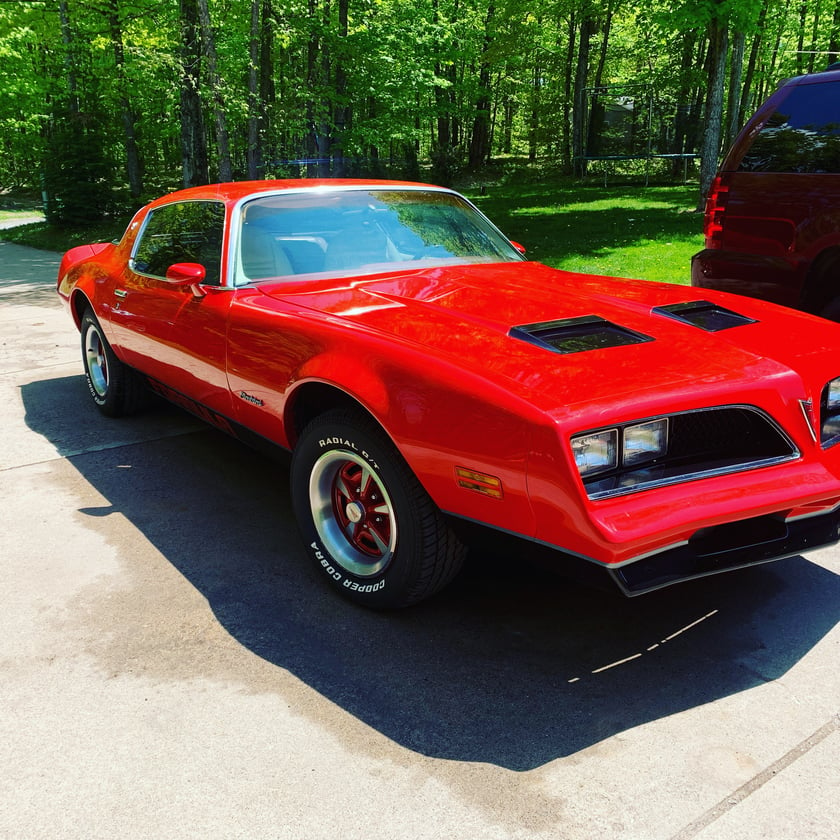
pixel 185 274
pixel 520 248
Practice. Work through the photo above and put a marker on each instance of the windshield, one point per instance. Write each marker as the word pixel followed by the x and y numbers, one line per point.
pixel 363 231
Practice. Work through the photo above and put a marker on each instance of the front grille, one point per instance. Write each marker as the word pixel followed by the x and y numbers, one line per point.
pixel 701 444
pixel 737 432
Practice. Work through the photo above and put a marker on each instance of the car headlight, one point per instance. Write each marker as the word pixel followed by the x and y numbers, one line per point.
pixel 626 446
pixel 596 452
pixel 830 413
pixel 645 442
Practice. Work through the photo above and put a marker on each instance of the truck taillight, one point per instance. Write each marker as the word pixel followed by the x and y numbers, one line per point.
pixel 715 210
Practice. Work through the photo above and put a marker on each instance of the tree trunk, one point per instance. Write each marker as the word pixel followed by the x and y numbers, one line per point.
pixel 534 117
pixel 678 144
pixel 480 138
pixel 602 57
pixel 733 107
pixel 710 145
pixel 509 110
pixel 341 112
pixel 317 109
pixel 815 33
pixel 133 167
pixel 222 144
pixel 568 165
pixel 194 164
pixel 69 64
pixel 800 39
pixel 746 92
pixel 254 155
pixel 834 41
pixel 596 111
pixel 579 112
pixel 271 141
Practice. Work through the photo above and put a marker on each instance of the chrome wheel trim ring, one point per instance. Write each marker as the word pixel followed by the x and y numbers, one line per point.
pixel 353 513
pixel 96 361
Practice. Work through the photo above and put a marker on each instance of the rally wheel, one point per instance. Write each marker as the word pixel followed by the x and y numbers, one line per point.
pixel 367 523
pixel 115 388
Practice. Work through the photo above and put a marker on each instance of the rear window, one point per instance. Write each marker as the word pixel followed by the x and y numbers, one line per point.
pixel 803 135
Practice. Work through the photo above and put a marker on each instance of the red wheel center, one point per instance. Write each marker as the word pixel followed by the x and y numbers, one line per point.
pixel 361 510
pixel 355 512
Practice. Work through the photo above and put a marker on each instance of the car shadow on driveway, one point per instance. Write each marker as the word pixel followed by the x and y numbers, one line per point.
pixel 511 665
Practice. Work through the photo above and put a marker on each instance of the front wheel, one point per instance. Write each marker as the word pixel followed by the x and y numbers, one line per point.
pixel 115 388
pixel 366 521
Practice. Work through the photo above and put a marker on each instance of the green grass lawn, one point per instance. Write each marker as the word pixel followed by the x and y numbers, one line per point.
pixel 641 232
pixel 622 230
pixel 48 238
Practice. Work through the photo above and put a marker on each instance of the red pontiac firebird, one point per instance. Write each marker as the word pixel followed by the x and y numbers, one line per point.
pixel 425 375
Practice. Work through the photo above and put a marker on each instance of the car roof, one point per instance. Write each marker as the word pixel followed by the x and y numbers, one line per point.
pixel 815 78
pixel 237 190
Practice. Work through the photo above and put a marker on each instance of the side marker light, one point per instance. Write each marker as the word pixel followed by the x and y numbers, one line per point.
pixel 486 485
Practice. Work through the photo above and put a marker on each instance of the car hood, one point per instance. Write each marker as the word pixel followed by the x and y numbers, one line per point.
pixel 476 314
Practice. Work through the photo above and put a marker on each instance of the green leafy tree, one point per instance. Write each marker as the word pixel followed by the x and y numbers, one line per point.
pixel 107 102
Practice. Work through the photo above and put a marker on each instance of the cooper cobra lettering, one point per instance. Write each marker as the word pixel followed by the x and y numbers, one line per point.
pixel 352 585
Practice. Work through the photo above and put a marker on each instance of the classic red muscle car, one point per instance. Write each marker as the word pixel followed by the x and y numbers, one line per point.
pixel 425 375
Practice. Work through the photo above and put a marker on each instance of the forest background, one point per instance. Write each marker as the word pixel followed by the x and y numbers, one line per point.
pixel 106 103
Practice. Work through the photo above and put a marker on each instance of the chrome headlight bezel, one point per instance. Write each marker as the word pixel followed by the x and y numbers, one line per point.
pixel 628 446
pixel 687 445
pixel 596 452
pixel 644 442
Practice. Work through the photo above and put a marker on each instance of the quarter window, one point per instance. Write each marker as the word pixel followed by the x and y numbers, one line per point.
pixel 189 231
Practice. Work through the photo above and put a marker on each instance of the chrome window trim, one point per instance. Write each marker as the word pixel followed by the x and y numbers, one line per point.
pixel 235 221
pixel 141 233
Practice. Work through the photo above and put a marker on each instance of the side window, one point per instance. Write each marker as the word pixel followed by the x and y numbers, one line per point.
pixel 189 231
pixel 802 136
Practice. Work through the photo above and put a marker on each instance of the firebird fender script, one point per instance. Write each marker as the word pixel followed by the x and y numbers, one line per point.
pixel 250 399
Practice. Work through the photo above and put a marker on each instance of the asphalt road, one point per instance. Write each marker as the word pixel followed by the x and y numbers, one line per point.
pixel 169 668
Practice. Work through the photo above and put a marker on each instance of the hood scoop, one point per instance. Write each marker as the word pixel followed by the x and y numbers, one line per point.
pixel 577 335
pixel 707 316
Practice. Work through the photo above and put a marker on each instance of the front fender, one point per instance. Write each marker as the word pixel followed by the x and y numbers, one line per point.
pixel 448 424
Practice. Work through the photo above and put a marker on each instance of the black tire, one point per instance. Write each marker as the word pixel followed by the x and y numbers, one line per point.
pixel 115 388
pixel 367 523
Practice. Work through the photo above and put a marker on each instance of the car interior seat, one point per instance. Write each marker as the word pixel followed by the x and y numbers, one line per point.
pixel 360 243
pixel 262 254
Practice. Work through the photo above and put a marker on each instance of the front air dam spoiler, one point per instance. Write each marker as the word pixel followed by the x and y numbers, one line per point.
pixel 723 548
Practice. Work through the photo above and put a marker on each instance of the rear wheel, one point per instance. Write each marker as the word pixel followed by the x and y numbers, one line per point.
pixel 115 388
pixel 367 523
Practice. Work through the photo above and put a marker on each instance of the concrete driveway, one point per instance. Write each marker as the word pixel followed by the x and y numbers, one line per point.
pixel 170 669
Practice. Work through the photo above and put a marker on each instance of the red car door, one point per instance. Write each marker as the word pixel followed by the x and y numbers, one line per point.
pixel 173 332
